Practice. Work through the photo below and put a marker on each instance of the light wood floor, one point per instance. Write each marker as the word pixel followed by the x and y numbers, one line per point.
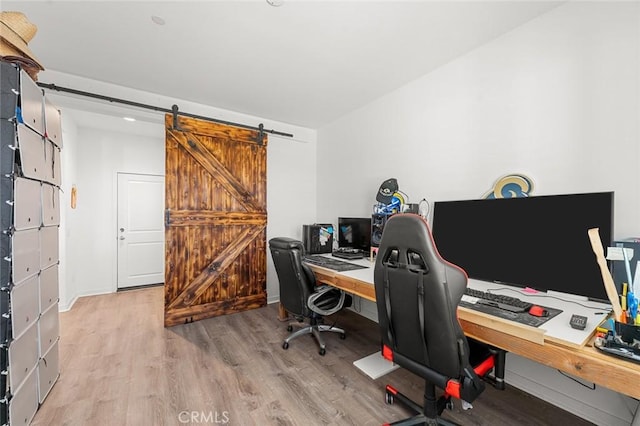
pixel 120 366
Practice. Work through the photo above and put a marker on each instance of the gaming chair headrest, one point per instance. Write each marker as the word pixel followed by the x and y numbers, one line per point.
pixel 410 232
pixel 407 236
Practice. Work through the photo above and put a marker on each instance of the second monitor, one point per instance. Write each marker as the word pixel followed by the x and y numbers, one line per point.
pixel 354 233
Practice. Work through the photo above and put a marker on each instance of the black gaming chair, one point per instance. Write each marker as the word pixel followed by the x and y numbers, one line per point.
pixel 417 295
pixel 299 294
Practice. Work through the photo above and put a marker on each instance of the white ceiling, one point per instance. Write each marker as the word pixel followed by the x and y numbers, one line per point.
pixel 305 62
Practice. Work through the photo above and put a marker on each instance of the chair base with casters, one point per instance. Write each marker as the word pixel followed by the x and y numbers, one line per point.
pixel 391 395
pixel 314 328
pixel 429 413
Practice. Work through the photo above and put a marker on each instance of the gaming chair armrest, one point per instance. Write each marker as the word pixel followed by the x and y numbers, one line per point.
pixel 472 385
pixel 467 390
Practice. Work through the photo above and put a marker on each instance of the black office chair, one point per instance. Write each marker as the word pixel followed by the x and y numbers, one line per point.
pixel 417 295
pixel 299 294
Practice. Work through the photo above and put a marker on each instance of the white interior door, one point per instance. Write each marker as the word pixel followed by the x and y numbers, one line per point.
pixel 140 230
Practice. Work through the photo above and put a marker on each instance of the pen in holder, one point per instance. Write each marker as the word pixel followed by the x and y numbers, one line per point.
pixel 632 301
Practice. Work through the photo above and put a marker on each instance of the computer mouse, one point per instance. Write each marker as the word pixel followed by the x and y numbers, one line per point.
pixel 538 311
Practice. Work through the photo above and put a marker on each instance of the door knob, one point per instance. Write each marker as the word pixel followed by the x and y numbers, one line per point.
pixel 121 229
pixel 122 237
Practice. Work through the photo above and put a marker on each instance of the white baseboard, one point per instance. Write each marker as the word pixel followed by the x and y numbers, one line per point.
pixel 68 306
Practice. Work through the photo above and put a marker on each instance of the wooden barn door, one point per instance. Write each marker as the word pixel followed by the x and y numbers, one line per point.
pixel 215 220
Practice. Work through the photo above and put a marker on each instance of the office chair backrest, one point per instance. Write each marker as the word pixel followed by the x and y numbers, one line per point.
pixel 296 279
pixel 418 293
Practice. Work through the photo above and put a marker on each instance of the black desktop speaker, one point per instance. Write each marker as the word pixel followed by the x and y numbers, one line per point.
pixel 378 220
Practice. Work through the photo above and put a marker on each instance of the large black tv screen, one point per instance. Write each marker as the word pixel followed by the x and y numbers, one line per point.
pixel 539 242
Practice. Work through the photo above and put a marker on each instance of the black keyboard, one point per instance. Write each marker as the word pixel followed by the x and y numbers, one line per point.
pixel 348 254
pixel 507 303
pixel 315 259
pixel 335 264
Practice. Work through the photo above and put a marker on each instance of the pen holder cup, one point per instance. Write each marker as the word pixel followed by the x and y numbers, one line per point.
pixel 628 332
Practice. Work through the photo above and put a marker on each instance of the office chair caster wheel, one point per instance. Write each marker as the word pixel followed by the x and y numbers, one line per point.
pixel 343 336
pixel 285 345
pixel 322 351
pixel 289 328
pixel 388 398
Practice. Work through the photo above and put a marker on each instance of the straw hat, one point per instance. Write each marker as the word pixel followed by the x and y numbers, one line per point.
pixel 15 34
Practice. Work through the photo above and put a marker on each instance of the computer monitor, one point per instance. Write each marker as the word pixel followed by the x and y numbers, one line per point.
pixel 354 232
pixel 539 242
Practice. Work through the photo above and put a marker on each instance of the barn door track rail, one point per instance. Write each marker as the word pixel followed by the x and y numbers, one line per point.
pixel 174 110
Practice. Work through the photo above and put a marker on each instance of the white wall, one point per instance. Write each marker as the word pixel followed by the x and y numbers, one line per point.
pixel 99 144
pixel 291 195
pixel 556 99
pixel 67 276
